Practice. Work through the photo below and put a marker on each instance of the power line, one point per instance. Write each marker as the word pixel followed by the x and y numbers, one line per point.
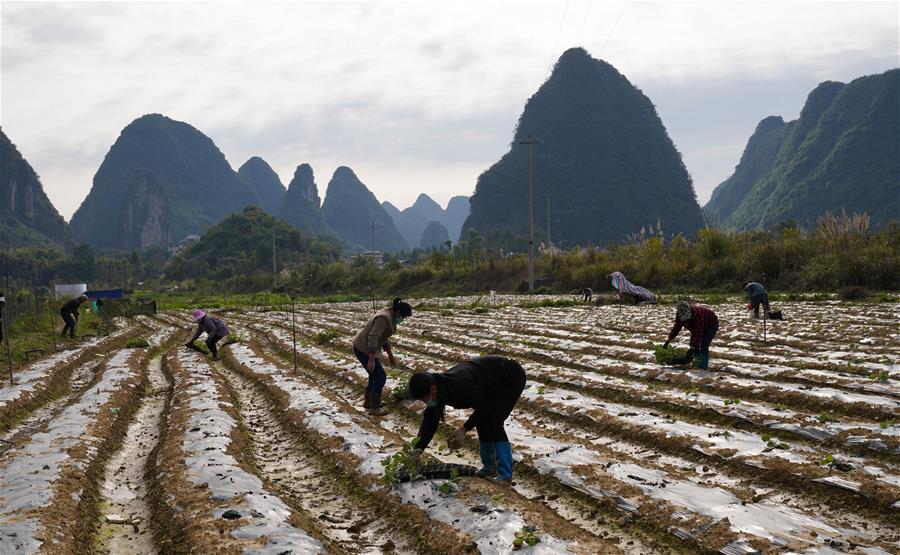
pixel 584 21
pixel 558 33
pixel 613 30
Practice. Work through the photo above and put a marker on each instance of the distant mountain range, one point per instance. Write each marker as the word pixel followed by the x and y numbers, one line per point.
pixel 843 152
pixel 412 221
pixel 604 154
pixel 27 217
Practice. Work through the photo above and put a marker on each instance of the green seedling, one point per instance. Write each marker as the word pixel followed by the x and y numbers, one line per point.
pixel 881 376
pixel 775 444
pixel 232 339
pixel 766 437
pixel 732 401
pixel 540 389
pixel 569 397
pixel 326 336
pixel 825 417
pixel 670 356
pixel 452 485
pixel 526 536
pixel 137 343
pixel 721 433
pixel 886 424
pixel 407 459
pixel 827 460
pixel 692 390
pixel 780 407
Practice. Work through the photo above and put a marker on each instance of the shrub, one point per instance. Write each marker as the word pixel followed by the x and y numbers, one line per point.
pixel 136 343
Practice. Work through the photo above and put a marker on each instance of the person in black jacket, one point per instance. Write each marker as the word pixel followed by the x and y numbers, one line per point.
pixel 2 314
pixel 491 385
pixel 69 313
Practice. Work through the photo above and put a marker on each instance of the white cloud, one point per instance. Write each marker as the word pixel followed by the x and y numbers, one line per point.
pixel 414 96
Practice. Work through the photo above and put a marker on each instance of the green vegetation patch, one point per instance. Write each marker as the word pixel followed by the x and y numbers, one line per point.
pixel 137 343
pixel 671 356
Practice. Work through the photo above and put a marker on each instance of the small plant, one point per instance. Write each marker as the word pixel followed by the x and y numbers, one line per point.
pixel 201 346
pixel 569 397
pixel 326 336
pixel 137 343
pixel 405 462
pixel 526 536
pixel 775 444
pixel 231 339
pixel 766 437
pixel 692 390
pixel 540 389
pixel 825 417
pixel 732 401
pixel 886 424
pixel 827 460
pixel 721 433
pixel 670 356
pixel 881 376
pixel 780 407
pixel 451 486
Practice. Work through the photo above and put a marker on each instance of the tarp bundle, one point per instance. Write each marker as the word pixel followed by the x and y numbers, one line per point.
pixel 621 283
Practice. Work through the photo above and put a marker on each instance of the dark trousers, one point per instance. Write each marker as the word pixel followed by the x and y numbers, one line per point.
pixel 211 341
pixel 762 299
pixel 707 338
pixel 70 324
pixel 377 378
pixel 490 426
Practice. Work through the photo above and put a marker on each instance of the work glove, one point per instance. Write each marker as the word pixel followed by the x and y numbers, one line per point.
pixel 456 440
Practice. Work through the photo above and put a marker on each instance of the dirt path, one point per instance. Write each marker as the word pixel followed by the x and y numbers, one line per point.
pixel 294 474
pixel 125 525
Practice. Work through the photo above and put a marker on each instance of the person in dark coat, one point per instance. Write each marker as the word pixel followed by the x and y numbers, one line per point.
pixel 69 313
pixel 491 385
pixel 215 330
pixel 758 296
pixel 703 324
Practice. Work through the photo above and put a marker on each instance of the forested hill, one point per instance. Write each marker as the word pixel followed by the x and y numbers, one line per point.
pixel 27 217
pixel 193 187
pixel 605 155
pixel 843 152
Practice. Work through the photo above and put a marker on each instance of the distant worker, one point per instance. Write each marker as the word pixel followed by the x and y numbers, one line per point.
pixel 368 345
pixel 69 313
pixel 215 330
pixel 587 295
pixel 2 313
pixel 758 296
pixel 491 385
pixel 703 324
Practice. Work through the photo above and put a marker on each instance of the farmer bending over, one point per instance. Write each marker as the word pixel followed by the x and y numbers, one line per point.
pixel 215 330
pixel 368 344
pixel 69 313
pixel 703 324
pixel 758 296
pixel 491 385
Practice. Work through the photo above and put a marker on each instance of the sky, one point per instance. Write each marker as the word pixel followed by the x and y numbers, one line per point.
pixel 414 96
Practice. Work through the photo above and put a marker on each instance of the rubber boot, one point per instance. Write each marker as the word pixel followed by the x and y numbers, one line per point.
pixel 701 360
pixel 488 460
pixel 503 450
pixel 375 408
pixel 367 404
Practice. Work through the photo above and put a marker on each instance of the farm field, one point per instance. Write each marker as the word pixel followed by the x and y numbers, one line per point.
pixel 791 445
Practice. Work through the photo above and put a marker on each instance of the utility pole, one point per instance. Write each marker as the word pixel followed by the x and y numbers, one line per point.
pixel 373 262
pixel 274 269
pixel 530 142
pixel 549 240
pixel 5 323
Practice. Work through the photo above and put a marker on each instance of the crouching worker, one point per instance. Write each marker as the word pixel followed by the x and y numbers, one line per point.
pixel 69 314
pixel 215 330
pixel 367 346
pixel 757 295
pixel 703 324
pixel 491 385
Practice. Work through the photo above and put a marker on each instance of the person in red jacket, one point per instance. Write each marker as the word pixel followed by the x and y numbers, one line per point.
pixel 703 324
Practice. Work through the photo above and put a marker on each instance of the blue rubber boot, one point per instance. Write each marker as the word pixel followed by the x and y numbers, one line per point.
pixel 488 460
pixel 504 461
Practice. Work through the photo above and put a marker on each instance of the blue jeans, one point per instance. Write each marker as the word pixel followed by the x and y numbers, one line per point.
pixel 377 378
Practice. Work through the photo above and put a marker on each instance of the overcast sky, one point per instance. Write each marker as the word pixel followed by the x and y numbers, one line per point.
pixel 415 97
